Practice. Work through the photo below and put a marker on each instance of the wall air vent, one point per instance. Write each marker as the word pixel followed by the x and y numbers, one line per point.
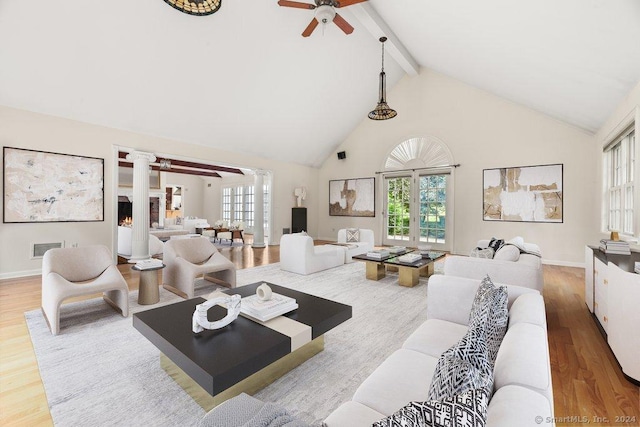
pixel 38 249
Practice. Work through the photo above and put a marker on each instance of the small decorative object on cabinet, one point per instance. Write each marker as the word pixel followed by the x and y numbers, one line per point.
pixel 612 294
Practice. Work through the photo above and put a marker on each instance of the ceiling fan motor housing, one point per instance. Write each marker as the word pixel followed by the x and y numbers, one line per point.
pixel 325 13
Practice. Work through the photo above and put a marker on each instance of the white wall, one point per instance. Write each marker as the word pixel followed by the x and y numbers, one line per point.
pixel 23 129
pixel 482 131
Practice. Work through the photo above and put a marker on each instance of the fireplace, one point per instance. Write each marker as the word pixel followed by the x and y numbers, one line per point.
pixel 125 209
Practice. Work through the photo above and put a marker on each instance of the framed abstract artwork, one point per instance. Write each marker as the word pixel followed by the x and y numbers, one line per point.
pixel 352 197
pixel 40 186
pixel 523 194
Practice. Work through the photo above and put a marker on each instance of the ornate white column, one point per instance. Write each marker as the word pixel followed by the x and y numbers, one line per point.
pixel 258 209
pixel 140 227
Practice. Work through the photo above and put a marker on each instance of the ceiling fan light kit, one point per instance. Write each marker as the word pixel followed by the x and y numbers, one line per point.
pixel 382 110
pixel 325 13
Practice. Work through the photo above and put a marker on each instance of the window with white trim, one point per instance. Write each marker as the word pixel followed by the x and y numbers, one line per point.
pixel 238 204
pixel 226 204
pixel 620 176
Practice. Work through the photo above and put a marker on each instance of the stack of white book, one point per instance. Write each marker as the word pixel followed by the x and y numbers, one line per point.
pixel 410 258
pixel 615 247
pixel 378 253
pixel 262 310
pixel 397 250
pixel 148 263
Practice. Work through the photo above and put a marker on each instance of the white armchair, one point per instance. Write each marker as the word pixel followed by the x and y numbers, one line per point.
pixel 363 244
pixel 71 272
pixel 187 259
pixel 299 255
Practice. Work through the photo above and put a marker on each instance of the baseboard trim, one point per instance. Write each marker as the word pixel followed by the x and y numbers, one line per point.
pixel 563 263
pixel 18 274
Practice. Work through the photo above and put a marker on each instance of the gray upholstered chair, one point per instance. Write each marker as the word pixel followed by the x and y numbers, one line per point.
pixel 71 272
pixel 187 259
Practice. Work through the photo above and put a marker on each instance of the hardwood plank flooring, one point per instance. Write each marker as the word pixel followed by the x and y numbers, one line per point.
pixel 587 380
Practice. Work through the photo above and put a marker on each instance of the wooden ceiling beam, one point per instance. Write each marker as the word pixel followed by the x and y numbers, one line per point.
pixel 194 165
pixel 176 170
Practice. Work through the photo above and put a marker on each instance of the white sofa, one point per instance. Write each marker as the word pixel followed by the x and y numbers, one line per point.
pixel 156 247
pixel 522 371
pixel 526 271
pixel 299 255
pixel 364 245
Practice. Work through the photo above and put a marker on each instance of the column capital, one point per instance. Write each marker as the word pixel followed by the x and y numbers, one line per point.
pixel 141 155
pixel 261 172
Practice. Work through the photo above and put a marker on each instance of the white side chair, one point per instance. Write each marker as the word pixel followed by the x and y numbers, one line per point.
pixel 71 272
pixel 187 259
pixel 235 232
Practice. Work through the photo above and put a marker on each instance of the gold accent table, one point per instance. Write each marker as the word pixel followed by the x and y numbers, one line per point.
pixel 148 289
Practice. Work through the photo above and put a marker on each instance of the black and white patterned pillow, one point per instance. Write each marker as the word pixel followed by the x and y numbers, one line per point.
pixel 353 235
pixel 489 311
pixel 471 348
pixel 464 410
pixel 454 375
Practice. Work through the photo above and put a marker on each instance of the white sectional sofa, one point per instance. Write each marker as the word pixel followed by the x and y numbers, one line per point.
pixel 525 270
pixel 522 371
pixel 362 246
pixel 299 255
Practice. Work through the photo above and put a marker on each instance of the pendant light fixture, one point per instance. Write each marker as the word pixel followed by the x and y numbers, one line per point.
pixel 382 110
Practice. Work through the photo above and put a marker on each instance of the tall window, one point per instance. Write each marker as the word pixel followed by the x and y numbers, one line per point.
pixel 620 162
pixel 226 204
pixel 248 206
pixel 238 204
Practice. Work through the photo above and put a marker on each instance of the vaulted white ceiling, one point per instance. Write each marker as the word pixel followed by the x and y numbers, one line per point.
pixel 243 79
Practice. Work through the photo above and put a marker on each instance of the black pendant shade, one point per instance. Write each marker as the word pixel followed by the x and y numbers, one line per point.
pixel 382 110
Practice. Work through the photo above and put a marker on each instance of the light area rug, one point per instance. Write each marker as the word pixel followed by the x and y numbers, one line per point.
pixel 101 371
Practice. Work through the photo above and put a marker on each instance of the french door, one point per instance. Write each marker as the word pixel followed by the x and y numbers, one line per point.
pixel 417 210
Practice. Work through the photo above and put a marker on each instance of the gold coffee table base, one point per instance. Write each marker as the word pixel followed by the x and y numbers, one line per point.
pixel 375 270
pixel 410 276
pixel 249 385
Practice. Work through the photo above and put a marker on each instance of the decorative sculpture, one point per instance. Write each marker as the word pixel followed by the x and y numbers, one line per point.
pixel 264 292
pixel 200 321
pixel 301 194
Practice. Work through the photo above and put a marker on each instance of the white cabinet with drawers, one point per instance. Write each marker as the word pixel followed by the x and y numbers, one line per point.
pixel 612 294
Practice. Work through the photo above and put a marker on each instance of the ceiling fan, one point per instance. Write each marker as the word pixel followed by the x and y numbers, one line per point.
pixel 325 12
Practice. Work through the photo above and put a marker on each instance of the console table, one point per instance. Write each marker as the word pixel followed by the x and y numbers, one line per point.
pixel 612 294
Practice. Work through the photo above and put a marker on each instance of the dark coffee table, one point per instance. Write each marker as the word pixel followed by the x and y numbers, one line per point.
pixel 244 356
pixel 409 272
pixel 374 267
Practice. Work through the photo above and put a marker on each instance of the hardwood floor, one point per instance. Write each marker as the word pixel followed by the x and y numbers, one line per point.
pixel 587 380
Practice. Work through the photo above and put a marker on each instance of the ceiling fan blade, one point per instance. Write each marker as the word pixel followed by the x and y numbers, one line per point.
pixel 342 24
pixel 312 26
pixel 345 3
pixel 297 4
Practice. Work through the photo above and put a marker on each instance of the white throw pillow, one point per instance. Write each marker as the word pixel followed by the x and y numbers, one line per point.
pixel 518 241
pixel 508 253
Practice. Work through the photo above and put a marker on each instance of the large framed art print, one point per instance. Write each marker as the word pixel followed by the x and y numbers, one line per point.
pixel 352 197
pixel 523 194
pixel 40 186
